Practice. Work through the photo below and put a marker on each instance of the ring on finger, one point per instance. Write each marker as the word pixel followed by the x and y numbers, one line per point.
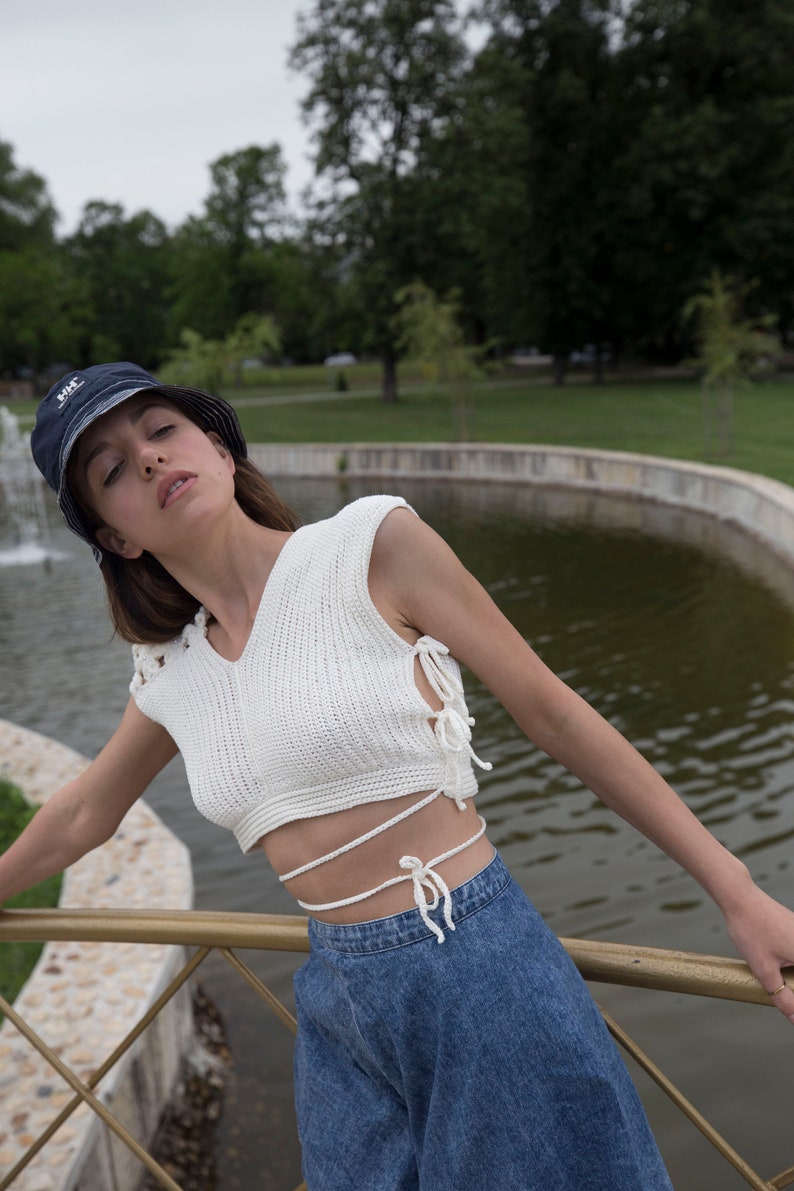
pixel 778 990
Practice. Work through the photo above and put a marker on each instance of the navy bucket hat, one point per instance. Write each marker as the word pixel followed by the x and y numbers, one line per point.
pixel 79 398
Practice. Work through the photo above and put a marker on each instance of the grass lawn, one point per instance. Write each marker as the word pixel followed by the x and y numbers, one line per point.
pixel 657 417
pixel 17 959
pixel 652 417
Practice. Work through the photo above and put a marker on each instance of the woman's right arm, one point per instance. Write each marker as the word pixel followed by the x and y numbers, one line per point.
pixel 86 811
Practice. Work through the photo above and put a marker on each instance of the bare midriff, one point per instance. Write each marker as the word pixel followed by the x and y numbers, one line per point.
pixel 436 828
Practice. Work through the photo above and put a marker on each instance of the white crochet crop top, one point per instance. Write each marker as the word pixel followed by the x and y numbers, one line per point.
pixel 321 711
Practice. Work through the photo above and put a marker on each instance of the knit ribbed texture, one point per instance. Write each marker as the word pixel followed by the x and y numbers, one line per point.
pixel 321 711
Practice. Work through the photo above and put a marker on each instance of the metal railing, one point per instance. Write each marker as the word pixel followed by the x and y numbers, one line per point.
pixel 613 963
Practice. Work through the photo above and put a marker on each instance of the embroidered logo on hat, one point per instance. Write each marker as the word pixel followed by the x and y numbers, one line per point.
pixel 68 390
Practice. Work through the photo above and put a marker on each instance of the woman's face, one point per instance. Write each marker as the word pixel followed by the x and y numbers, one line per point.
pixel 151 475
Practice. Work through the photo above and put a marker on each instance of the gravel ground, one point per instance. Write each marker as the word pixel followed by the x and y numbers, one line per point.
pixel 185 1142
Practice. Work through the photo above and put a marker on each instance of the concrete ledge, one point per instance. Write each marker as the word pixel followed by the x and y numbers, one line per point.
pixel 82 998
pixel 764 507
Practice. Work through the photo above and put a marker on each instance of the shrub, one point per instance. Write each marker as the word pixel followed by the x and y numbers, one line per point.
pixel 18 959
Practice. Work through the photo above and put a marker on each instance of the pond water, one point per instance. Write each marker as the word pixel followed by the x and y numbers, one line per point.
pixel 679 630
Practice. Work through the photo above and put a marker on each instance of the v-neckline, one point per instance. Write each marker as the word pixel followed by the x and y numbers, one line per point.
pixel 202 616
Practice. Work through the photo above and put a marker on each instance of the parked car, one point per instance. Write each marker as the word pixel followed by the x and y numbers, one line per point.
pixel 522 355
pixel 339 360
pixel 589 353
pixel 528 357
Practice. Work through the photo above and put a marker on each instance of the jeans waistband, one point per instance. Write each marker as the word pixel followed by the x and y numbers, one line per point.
pixel 381 934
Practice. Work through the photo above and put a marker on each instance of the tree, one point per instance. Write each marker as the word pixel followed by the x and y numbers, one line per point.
pixel 254 337
pixel 475 204
pixel 124 263
pixel 200 287
pixel 558 57
pixel 383 78
pixel 246 203
pixel 27 216
pixel 429 331
pixel 204 363
pixel 731 351
pixel 44 309
pixel 223 266
pixel 655 148
pixel 711 169
pixel 40 305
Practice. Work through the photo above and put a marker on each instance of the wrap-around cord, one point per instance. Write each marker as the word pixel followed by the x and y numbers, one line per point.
pixel 452 728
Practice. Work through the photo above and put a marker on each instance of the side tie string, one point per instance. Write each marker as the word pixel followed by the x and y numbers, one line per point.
pixel 452 722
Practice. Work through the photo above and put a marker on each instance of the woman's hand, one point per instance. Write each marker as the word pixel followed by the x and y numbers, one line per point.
pixel 762 931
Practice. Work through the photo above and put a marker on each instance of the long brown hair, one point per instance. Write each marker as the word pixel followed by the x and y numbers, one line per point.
pixel 146 604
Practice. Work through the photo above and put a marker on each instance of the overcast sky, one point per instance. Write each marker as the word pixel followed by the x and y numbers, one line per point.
pixel 129 102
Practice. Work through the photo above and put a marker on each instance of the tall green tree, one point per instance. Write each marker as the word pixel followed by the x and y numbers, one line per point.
pixel 655 150
pixel 27 215
pixel 223 259
pixel 40 304
pixel 475 205
pixel 308 302
pixel 383 78
pixel 124 263
pixel 247 201
pixel 44 309
pixel 710 171
pixel 551 64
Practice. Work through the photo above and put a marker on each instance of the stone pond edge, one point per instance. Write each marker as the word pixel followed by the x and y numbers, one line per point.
pixel 82 998
pixel 757 504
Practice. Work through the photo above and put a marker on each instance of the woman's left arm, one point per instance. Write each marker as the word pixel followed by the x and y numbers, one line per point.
pixel 419 583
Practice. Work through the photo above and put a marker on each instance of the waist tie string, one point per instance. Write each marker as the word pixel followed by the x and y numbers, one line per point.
pixel 424 878
pixel 362 839
pixel 452 731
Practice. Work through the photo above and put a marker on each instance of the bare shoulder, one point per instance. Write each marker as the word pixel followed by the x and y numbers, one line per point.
pixel 402 535
pixel 418 581
pixel 404 538
pixel 396 552
pixel 407 556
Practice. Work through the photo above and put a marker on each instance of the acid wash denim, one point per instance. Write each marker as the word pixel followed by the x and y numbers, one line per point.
pixel 478 1063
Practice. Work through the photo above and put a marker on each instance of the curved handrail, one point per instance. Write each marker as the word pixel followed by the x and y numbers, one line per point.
pixel 606 962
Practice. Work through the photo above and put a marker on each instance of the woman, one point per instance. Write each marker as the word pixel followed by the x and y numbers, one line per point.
pixel 307 676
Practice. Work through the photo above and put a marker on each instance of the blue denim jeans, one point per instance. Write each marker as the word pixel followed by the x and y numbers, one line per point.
pixel 480 1062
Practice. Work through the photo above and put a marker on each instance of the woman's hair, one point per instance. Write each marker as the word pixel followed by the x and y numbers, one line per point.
pixel 148 606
